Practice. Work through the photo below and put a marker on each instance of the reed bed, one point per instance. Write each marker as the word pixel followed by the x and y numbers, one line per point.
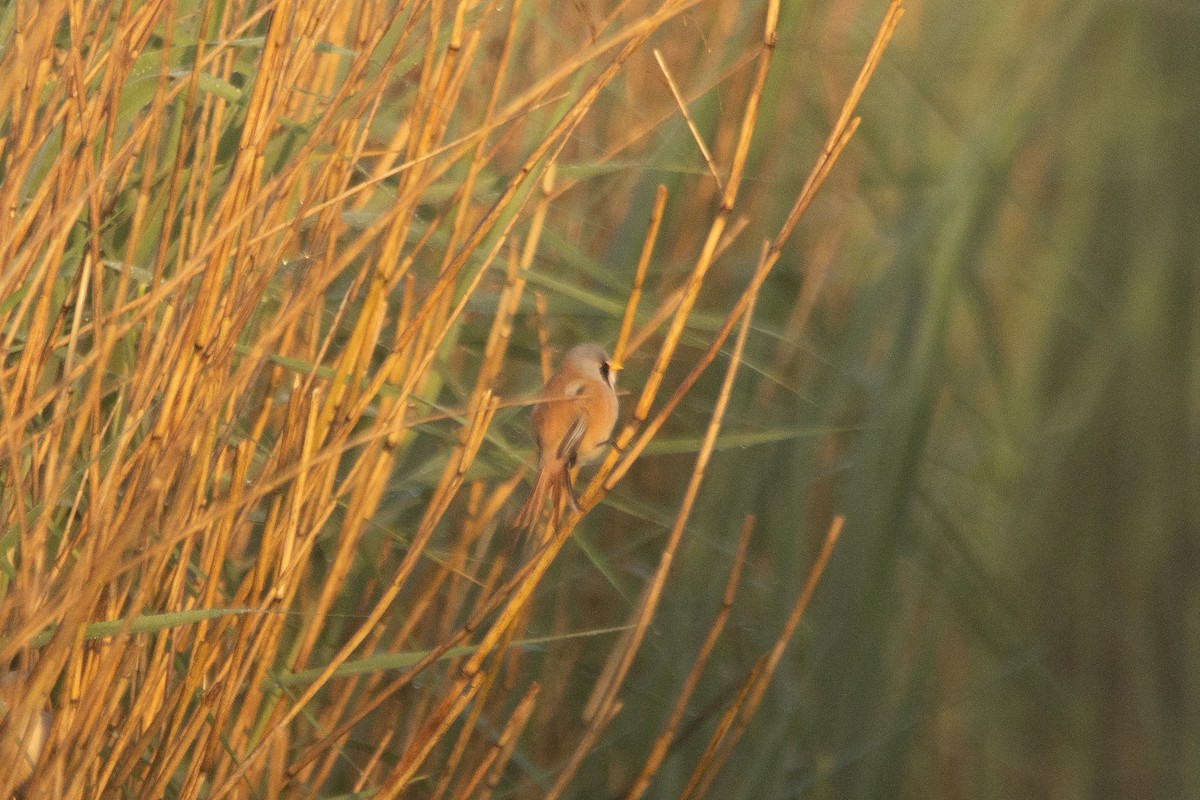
pixel 271 311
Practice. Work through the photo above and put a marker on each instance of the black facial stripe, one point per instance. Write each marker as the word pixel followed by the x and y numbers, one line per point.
pixel 604 372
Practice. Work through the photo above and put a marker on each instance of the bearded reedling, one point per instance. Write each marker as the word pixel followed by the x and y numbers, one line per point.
pixel 572 424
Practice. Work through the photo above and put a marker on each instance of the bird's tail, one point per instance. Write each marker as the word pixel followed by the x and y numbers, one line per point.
pixel 552 483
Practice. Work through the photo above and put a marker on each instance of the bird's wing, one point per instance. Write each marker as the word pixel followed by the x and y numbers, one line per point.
pixel 569 445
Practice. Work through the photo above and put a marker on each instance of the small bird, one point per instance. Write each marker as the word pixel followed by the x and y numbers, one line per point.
pixel 572 423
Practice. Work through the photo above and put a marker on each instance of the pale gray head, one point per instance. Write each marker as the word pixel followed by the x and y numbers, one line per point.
pixel 590 359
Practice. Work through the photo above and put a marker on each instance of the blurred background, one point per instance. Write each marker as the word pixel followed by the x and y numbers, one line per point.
pixel 999 389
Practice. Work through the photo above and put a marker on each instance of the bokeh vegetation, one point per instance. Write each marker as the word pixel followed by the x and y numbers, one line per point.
pixel 280 277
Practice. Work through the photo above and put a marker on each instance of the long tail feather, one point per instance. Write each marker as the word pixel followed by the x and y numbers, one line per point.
pixel 531 512
pixel 551 484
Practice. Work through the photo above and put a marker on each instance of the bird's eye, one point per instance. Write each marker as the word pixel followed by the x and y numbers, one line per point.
pixel 605 373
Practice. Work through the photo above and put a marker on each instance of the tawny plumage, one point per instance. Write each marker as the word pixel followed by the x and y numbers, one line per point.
pixel 572 424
